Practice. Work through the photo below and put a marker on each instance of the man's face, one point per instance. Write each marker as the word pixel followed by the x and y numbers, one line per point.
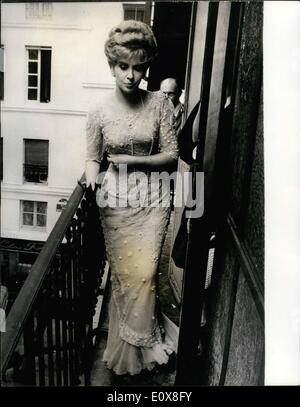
pixel 169 89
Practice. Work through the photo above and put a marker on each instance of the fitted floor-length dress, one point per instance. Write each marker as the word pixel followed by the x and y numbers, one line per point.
pixel 134 212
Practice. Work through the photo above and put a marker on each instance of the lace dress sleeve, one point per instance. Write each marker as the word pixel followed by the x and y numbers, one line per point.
pixel 167 136
pixel 94 137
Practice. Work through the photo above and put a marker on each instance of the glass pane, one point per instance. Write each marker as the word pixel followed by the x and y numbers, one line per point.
pixel 41 207
pixel 36 153
pixel 129 15
pixel 41 220
pixel 32 80
pixel 140 15
pixel 28 219
pixel 32 94
pixel 32 67
pixel 28 206
pixel 33 54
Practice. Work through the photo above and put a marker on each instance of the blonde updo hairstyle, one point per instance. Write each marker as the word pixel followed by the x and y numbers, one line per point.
pixel 131 39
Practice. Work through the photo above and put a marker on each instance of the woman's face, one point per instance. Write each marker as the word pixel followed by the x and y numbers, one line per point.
pixel 128 74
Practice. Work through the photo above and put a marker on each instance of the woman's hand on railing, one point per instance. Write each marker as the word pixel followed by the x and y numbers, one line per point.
pixel 91 171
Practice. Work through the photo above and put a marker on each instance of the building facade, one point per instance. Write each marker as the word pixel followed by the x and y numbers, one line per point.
pixel 53 70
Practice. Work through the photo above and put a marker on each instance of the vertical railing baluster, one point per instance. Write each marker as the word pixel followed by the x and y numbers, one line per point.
pixel 58 300
pixel 65 313
pixel 75 297
pixel 83 312
pixel 49 328
pixel 78 296
pixel 29 352
pixel 50 350
pixel 86 354
pixel 40 345
pixel 70 293
pixel 83 288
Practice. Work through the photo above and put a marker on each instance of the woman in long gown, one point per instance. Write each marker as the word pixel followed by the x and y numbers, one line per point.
pixel 134 128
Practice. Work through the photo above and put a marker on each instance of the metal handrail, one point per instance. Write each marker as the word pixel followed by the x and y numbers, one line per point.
pixel 23 304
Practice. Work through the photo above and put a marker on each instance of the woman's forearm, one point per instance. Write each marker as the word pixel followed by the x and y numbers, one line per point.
pixel 155 161
pixel 92 169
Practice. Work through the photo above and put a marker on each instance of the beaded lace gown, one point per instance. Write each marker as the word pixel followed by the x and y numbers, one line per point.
pixel 134 217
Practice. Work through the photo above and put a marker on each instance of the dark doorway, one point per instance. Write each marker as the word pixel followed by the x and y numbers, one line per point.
pixel 171 25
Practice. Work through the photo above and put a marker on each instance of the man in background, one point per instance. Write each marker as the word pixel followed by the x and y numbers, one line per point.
pixel 170 88
pixel 172 91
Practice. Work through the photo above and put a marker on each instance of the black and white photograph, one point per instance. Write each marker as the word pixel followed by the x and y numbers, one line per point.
pixel 150 196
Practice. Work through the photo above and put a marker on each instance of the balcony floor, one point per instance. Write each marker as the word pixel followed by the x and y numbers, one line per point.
pixel 101 376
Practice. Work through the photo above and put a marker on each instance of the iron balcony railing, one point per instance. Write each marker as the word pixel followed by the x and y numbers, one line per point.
pixel 35 173
pixel 49 329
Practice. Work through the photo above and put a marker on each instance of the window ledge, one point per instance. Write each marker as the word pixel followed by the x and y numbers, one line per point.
pixel 25 234
pixel 42 229
pixel 98 85
pixel 35 109
pixel 35 183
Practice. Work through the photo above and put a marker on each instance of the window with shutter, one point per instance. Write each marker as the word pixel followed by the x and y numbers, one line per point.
pixel 2 72
pixel 134 11
pixel 39 74
pixel 36 160
pixel 1 158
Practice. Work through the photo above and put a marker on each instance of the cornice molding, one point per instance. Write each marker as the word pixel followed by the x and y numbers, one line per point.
pixel 46 26
pixel 21 109
pixel 39 190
